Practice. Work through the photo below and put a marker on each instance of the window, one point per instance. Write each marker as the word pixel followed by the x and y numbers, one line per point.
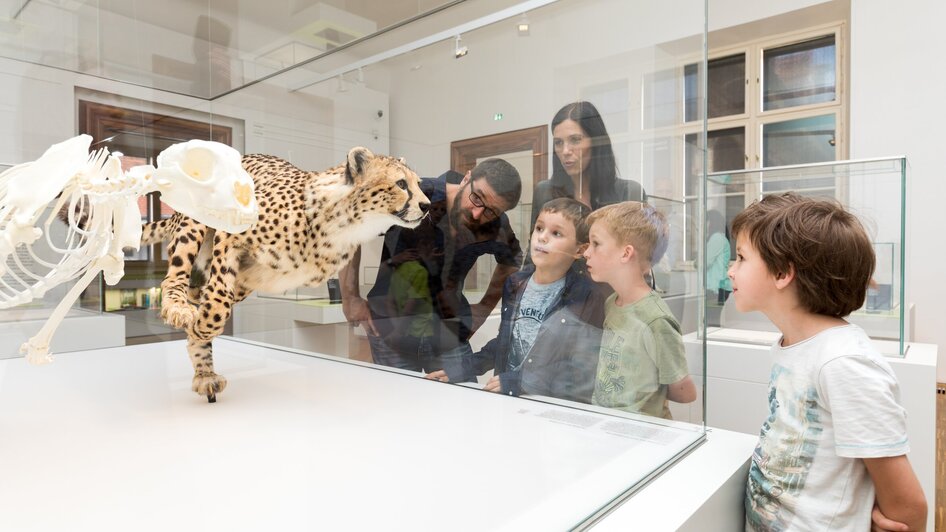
pixel 773 102
pixel 140 136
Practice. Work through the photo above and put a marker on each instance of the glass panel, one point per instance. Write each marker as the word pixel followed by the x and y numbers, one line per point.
pixel 727 87
pixel 873 191
pixel 800 141
pixel 799 74
pixel 203 49
pixel 422 287
pixel 727 148
pixel 426 292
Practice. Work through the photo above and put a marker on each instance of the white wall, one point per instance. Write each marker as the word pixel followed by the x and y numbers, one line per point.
pixel 572 46
pixel 896 101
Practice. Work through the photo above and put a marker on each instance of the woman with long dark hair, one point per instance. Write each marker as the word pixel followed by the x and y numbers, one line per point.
pixel 583 167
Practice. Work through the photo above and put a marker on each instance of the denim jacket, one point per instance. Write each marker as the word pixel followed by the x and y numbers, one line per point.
pixel 563 361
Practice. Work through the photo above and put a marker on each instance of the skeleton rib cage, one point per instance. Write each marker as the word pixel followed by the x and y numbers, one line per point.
pixel 199 178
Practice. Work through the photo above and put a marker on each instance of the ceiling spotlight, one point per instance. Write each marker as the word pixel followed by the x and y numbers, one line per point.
pixel 522 27
pixel 460 50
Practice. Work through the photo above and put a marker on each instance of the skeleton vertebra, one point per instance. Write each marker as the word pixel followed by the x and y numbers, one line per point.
pixel 201 179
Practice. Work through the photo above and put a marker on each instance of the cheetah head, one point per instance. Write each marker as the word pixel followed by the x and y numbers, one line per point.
pixel 387 191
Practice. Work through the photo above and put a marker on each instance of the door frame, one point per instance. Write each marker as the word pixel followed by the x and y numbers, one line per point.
pixel 464 153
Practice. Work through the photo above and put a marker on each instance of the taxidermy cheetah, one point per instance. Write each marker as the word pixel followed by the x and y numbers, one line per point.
pixel 309 226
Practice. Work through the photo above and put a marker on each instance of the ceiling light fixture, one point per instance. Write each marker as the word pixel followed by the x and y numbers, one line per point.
pixel 522 27
pixel 460 50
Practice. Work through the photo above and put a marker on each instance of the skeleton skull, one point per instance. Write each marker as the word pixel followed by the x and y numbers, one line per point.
pixel 204 180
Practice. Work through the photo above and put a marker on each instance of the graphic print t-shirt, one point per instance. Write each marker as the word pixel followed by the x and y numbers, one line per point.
pixel 641 354
pixel 535 303
pixel 832 400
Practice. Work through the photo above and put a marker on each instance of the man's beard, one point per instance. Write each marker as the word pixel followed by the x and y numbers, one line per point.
pixel 457 214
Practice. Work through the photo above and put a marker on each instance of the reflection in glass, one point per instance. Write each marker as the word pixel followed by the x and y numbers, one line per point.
pixel 799 74
pixel 725 152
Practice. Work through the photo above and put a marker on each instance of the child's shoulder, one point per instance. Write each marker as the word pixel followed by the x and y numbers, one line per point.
pixel 653 307
pixel 648 310
pixel 847 339
pixel 845 342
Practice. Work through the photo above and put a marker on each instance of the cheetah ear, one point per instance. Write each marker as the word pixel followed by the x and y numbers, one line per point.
pixel 357 163
pixel 402 160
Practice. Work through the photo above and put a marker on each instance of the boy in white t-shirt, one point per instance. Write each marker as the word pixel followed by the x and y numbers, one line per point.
pixel 835 443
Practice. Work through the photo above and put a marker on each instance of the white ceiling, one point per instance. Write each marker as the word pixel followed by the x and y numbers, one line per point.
pixel 170 44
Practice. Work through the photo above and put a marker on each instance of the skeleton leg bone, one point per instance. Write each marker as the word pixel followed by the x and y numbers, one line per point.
pixel 37 347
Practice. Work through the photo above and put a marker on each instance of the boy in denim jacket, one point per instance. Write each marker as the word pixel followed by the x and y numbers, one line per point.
pixel 550 332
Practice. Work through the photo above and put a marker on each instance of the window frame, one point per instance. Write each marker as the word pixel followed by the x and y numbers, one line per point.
pixel 754 118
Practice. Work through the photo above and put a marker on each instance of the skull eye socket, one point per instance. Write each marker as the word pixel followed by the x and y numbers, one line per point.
pixel 198 163
pixel 401 184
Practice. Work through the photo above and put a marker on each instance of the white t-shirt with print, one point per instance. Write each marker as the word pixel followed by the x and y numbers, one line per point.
pixel 833 400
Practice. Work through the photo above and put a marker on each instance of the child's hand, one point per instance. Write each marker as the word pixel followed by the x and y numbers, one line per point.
pixel 439 375
pixel 880 522
pixel 493 385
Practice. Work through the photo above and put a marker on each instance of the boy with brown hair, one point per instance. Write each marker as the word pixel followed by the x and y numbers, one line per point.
pixel 835 439
pixel 642 363
pixel 551 316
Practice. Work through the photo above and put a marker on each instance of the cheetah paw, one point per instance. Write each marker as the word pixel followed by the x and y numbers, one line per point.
pixel 209 384
pixel 179 315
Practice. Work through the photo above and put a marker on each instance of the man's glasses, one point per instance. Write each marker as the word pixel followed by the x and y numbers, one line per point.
pixel 477 201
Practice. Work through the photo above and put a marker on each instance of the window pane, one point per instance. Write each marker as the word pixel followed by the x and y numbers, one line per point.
pixel 726 150
pixel 799 74
pixel 661 98
pixel 727 87
pixel 691 92
pixel 805 140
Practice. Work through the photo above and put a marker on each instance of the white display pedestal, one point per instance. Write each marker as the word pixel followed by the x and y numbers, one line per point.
pixel 117 440
pixel 737 380
pixel 80 329
pixel 704 492
pixel 309 325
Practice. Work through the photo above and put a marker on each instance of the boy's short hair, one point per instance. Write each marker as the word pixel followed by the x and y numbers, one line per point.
pixel 572 210
pixel 827 246
pixel 635 223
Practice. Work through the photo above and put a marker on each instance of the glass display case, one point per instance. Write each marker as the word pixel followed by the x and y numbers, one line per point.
pixel 873 190
pixel 448 86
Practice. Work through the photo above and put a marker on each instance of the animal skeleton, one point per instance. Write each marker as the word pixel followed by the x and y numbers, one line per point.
pixel 201 179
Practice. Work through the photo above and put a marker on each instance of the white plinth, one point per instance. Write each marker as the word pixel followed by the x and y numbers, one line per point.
pixel 80 329
pixel 737 380
pixel 114 439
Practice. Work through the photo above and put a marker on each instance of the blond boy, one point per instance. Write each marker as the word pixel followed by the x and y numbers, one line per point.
pixel 641 364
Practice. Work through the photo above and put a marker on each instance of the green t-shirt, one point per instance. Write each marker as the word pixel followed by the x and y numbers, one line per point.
pixel 411 296
pixel 641 353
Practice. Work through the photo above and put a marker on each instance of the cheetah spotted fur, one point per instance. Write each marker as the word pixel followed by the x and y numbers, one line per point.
pixel 310 224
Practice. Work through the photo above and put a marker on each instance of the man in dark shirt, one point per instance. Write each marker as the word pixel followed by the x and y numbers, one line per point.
pixel 425 324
